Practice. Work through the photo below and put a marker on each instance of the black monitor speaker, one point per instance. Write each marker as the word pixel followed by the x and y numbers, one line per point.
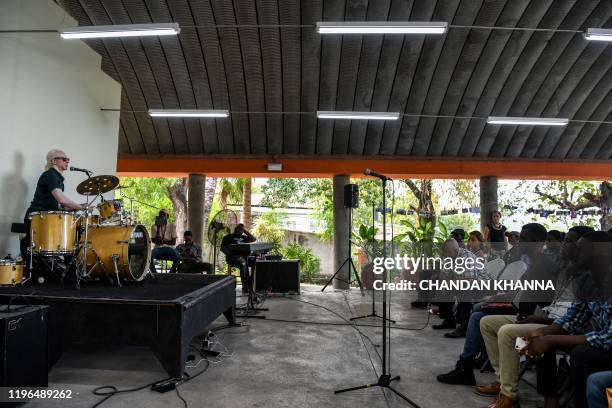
pixel 351 196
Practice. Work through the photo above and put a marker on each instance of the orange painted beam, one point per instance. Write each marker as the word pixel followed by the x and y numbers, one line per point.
pixel 393 167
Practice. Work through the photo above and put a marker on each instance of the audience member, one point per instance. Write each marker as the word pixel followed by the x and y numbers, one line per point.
pixel 590 352
pixel 532 241
pixel 500 333
pixel 494 235
pixel 163 235
pixel 596 394
pixel 458 234
pixel 191 256
pixel 513 254
pixel 476 244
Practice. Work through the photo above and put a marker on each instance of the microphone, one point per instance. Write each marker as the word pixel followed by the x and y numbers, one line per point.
pixel 88 172
pixel 369 172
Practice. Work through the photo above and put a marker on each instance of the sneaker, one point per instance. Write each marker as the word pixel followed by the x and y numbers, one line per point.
pixel 446 324
pixel 458 333
pixel 463 374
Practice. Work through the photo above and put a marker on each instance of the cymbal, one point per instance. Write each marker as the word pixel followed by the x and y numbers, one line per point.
pixel 97 185
pixel 123 187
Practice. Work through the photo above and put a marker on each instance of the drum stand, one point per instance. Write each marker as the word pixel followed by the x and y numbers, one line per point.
pixel 82 272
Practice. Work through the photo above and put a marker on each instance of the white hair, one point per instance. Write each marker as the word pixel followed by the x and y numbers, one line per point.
pixel 50 156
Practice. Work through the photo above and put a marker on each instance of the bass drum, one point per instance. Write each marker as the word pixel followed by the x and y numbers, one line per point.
pixel 11 272
pixel 130 245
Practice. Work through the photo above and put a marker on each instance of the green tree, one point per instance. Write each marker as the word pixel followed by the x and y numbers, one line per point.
pixel 578 195
pixel 269 228
pixel 152 194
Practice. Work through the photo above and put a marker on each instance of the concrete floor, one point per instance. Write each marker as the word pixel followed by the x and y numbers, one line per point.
pixel 283 364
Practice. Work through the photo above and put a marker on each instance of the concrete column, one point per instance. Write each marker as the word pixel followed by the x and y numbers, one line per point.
pixel 195 207
pixel 341 232
pixel 488 199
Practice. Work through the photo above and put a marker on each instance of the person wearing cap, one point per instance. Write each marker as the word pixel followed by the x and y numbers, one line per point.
pixel 458 234
pixel 513 254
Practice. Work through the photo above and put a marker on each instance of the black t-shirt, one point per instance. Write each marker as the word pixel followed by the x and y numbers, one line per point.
pixel 231 239
pixel 43 199
pixel 496 237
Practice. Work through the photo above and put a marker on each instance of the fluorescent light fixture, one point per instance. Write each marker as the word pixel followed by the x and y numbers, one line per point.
pixel 127 30
pixel 274 167
pixel 598 34
pixel 382 27
pixel 501 120
pixel 358 115
pixel 188 113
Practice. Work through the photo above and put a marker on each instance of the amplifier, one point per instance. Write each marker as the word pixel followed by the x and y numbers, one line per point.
pixel 23 344
pixel 278 276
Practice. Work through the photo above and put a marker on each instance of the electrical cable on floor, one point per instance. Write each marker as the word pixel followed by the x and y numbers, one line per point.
pixel 108 391
pixel 178 394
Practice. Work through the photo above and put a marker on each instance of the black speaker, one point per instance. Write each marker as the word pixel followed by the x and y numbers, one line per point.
pixel 23 346
pixel 351 196
pixel 278 276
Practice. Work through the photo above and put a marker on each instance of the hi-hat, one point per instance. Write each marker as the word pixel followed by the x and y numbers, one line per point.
pixel 97 185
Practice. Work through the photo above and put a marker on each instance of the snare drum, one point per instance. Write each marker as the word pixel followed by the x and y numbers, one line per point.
pixel 52 232
pixel 131 246
pixel 110 208
pixel 11 272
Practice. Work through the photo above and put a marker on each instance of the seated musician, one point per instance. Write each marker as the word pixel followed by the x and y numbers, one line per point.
pixel 163 235
pixel 240 235
pixel 49 194
pixel 191 256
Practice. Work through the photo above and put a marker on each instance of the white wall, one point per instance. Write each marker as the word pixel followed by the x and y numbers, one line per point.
pixel 51 92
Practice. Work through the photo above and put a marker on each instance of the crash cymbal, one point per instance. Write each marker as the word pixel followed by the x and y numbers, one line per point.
pixel 97 185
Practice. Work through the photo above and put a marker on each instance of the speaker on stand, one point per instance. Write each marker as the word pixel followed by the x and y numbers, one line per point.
pixel 351 200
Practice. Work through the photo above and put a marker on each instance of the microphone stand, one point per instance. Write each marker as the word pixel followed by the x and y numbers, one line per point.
pixel 373 314
pixel 385 378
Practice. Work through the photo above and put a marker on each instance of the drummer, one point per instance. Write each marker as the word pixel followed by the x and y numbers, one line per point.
pixel 49 194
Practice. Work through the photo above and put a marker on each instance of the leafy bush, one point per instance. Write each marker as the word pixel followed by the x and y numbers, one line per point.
pixel 309 262
pixel 268 228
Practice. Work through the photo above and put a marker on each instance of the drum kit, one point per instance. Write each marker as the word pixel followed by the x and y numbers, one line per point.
pixel 83 245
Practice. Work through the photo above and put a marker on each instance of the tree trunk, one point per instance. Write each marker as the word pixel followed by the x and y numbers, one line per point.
pixel 247 219
pixel 178 196
pixel 209 195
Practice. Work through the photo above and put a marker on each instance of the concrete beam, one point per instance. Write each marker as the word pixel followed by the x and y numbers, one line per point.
pixel 195 207
pixel 341 232
pixel 392 166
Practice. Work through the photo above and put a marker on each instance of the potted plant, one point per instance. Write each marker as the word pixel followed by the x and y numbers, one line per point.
pixel 368 249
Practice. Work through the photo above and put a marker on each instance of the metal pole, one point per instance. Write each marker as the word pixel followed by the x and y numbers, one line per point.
pixel 384 202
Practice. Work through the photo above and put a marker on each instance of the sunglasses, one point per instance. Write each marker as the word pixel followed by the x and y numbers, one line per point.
pixel 66 159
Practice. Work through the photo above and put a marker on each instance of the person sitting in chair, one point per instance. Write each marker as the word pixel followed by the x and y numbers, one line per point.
pixel 191 256
pixel 163 235
pixel 240 235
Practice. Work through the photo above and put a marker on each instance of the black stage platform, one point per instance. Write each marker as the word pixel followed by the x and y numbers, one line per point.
pixel 165 313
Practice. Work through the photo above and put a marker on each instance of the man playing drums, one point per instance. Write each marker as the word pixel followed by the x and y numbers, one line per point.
pixel 49 195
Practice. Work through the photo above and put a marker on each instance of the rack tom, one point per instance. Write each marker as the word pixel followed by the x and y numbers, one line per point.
pixel 11 272
pixel 52 233
pixel 111 209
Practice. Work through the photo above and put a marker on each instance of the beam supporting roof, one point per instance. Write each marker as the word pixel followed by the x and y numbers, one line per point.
pixel 219 166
